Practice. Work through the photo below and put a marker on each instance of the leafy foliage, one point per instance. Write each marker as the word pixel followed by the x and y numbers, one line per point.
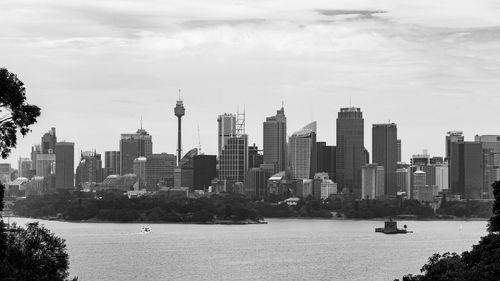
pixel 15 113
pixel 482 263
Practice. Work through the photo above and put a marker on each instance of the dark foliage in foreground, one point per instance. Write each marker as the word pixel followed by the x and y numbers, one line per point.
pixel 482 263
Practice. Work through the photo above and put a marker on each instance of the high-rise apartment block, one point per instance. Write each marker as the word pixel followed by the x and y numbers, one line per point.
pixel 274 134
pixel 350 149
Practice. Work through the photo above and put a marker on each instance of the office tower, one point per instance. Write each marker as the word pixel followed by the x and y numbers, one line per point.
pixel 255 157
pixel 89 169
pixel 302 152
pixel 179 111
pixel 466 172
pixel 226 129
pixel 256 182
pixel 159 167
pixel 451 137
pixel 372 181
pixel 49 141
pixel 420 159
pixel 398 144
pixel 112 162
pixel 35 150
pixel 45 164
pixel 233 160
pixel 441 177
pixel 326 157
pixel 274 140
pixel 204 171
pixel 65 165
pixel 24 167
pixel 403 181
pixel 133 146
pixel 5 173
pixel 491 162
pixel 183 173
pixel 350 149
pixel 323 186
pixel 385 153
pixel 139 167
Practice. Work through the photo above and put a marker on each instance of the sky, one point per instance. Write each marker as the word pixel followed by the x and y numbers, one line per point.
pixel 96 67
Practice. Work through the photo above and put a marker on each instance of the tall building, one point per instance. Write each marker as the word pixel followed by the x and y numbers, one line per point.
pixel 451 137
pixel 65 165
pixel 233 161
pixel 89 169
pixel 255 157
pixel 326 158
pixel 226 130
pixel 112 162
pixel 398 144
pixel 179 111
pixel 350 149
pixel 466 169
pixel 140 172
pixel 5 170
pixel 491 162
pixel 133 146
pixel 159 167
pixel 274 140
pixel 256 182
pixel 24 167
pixel 302 152
pixel 403 181
pixel 184 173
pixel 204 171
pixel 385 153
pixel 326 186
pixel 45 164
pixel 49 141
pixel 372 181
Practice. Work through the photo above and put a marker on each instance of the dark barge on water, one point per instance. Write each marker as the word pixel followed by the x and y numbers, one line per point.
pixel 391 227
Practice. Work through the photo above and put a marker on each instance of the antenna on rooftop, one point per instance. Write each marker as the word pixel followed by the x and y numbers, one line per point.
pixel 141 122
pixel 199 140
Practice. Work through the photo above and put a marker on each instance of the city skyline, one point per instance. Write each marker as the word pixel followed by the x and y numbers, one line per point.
pixel 422 60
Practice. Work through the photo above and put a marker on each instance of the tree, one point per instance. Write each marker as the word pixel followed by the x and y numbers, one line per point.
pixel 15 114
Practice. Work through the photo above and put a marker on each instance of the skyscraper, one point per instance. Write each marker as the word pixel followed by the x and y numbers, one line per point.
pixel 491 162
pixel 274 140
pixel 112 162
pixel 49 141
pixel 385 153
pixel 89 170
pixel 399 150
pixel 65 165
pixel 226 129
pixel 233 162
pixel 451 137
pixel 466 169
pixel 204 171
pixel 255 157
pixel 45 164
pixel 302 152
pixel 133 146
pixel 159 167
pixel 24 167
pixel 326 159
pixel 350 149
pixel 372 181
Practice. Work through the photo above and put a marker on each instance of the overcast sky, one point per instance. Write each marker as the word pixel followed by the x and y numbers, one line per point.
pixel 94 67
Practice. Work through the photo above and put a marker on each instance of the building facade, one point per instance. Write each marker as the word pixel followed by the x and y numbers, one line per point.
pixel 274 140
pixel 65 165
pixel 385 153
pixel 133 146
pixel 373 181
pixel 302 152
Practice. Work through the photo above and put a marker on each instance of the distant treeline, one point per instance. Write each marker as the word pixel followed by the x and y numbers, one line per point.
pixel 114 206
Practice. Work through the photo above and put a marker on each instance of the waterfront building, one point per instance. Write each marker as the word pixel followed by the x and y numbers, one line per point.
pixel 326 186
pixel 112 162
pixel 491 162
pixel 274 140
pixel 49 140
pixel 350 153
pixel 385 153
pixel 133 146
pixel 373 181
pixel 466 169
pixel 89 169
pixel 45 164
pixel 65 165
pixel 305 188
pixel 302 152
pixel 204 171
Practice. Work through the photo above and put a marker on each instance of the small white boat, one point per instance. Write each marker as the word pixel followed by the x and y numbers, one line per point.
pixel 145 230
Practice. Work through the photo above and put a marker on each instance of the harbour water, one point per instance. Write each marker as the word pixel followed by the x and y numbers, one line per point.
pixel 283 249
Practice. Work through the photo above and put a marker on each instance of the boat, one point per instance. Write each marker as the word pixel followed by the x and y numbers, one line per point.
pixel 145 230
pixel 391 227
